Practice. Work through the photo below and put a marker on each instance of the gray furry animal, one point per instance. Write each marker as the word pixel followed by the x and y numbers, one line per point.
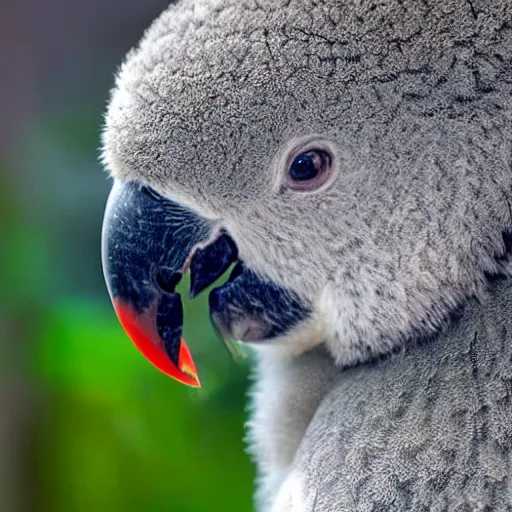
pixel 358 154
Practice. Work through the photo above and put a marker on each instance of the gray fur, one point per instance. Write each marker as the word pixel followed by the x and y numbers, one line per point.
pixel 430 429
pixel 285 396
pixel 414 100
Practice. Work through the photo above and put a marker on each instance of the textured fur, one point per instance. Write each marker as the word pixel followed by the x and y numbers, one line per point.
pixel 430 429
pixel 414 100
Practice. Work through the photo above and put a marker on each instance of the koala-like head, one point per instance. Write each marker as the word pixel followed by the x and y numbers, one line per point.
pixel 354 155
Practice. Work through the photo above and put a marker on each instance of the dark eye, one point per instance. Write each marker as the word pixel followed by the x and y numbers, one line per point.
pixel 309 170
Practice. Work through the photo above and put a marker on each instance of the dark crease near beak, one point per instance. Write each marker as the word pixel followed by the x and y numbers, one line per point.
pixel 250 308
pixel 210 262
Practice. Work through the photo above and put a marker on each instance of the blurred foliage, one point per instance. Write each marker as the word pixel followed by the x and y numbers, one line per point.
pixel 118 435
pixel 99 428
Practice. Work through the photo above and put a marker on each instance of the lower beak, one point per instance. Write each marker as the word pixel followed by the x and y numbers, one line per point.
pixel 147 243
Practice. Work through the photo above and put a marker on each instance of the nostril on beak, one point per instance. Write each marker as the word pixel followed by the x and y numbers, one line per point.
pixel 167 279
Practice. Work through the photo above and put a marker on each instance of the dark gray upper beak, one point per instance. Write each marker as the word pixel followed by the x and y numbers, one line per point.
pixel 146 243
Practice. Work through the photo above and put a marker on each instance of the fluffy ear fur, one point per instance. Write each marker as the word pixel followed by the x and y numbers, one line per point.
pixel 413 102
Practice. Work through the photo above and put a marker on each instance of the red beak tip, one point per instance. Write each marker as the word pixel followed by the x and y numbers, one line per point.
pixel 143 333
pixel 190 377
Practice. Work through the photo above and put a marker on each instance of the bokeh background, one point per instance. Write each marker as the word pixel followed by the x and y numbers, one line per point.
pixel 86 424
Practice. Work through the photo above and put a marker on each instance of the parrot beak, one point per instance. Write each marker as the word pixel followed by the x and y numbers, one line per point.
pixel 148 242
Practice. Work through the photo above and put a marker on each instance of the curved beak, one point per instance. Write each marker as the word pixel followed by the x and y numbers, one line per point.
pixel 147 245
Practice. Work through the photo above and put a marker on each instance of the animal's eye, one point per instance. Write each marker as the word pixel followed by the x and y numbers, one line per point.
pixel 309 170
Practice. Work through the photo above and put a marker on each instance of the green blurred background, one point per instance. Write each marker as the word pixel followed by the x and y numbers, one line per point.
pixel 86 424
